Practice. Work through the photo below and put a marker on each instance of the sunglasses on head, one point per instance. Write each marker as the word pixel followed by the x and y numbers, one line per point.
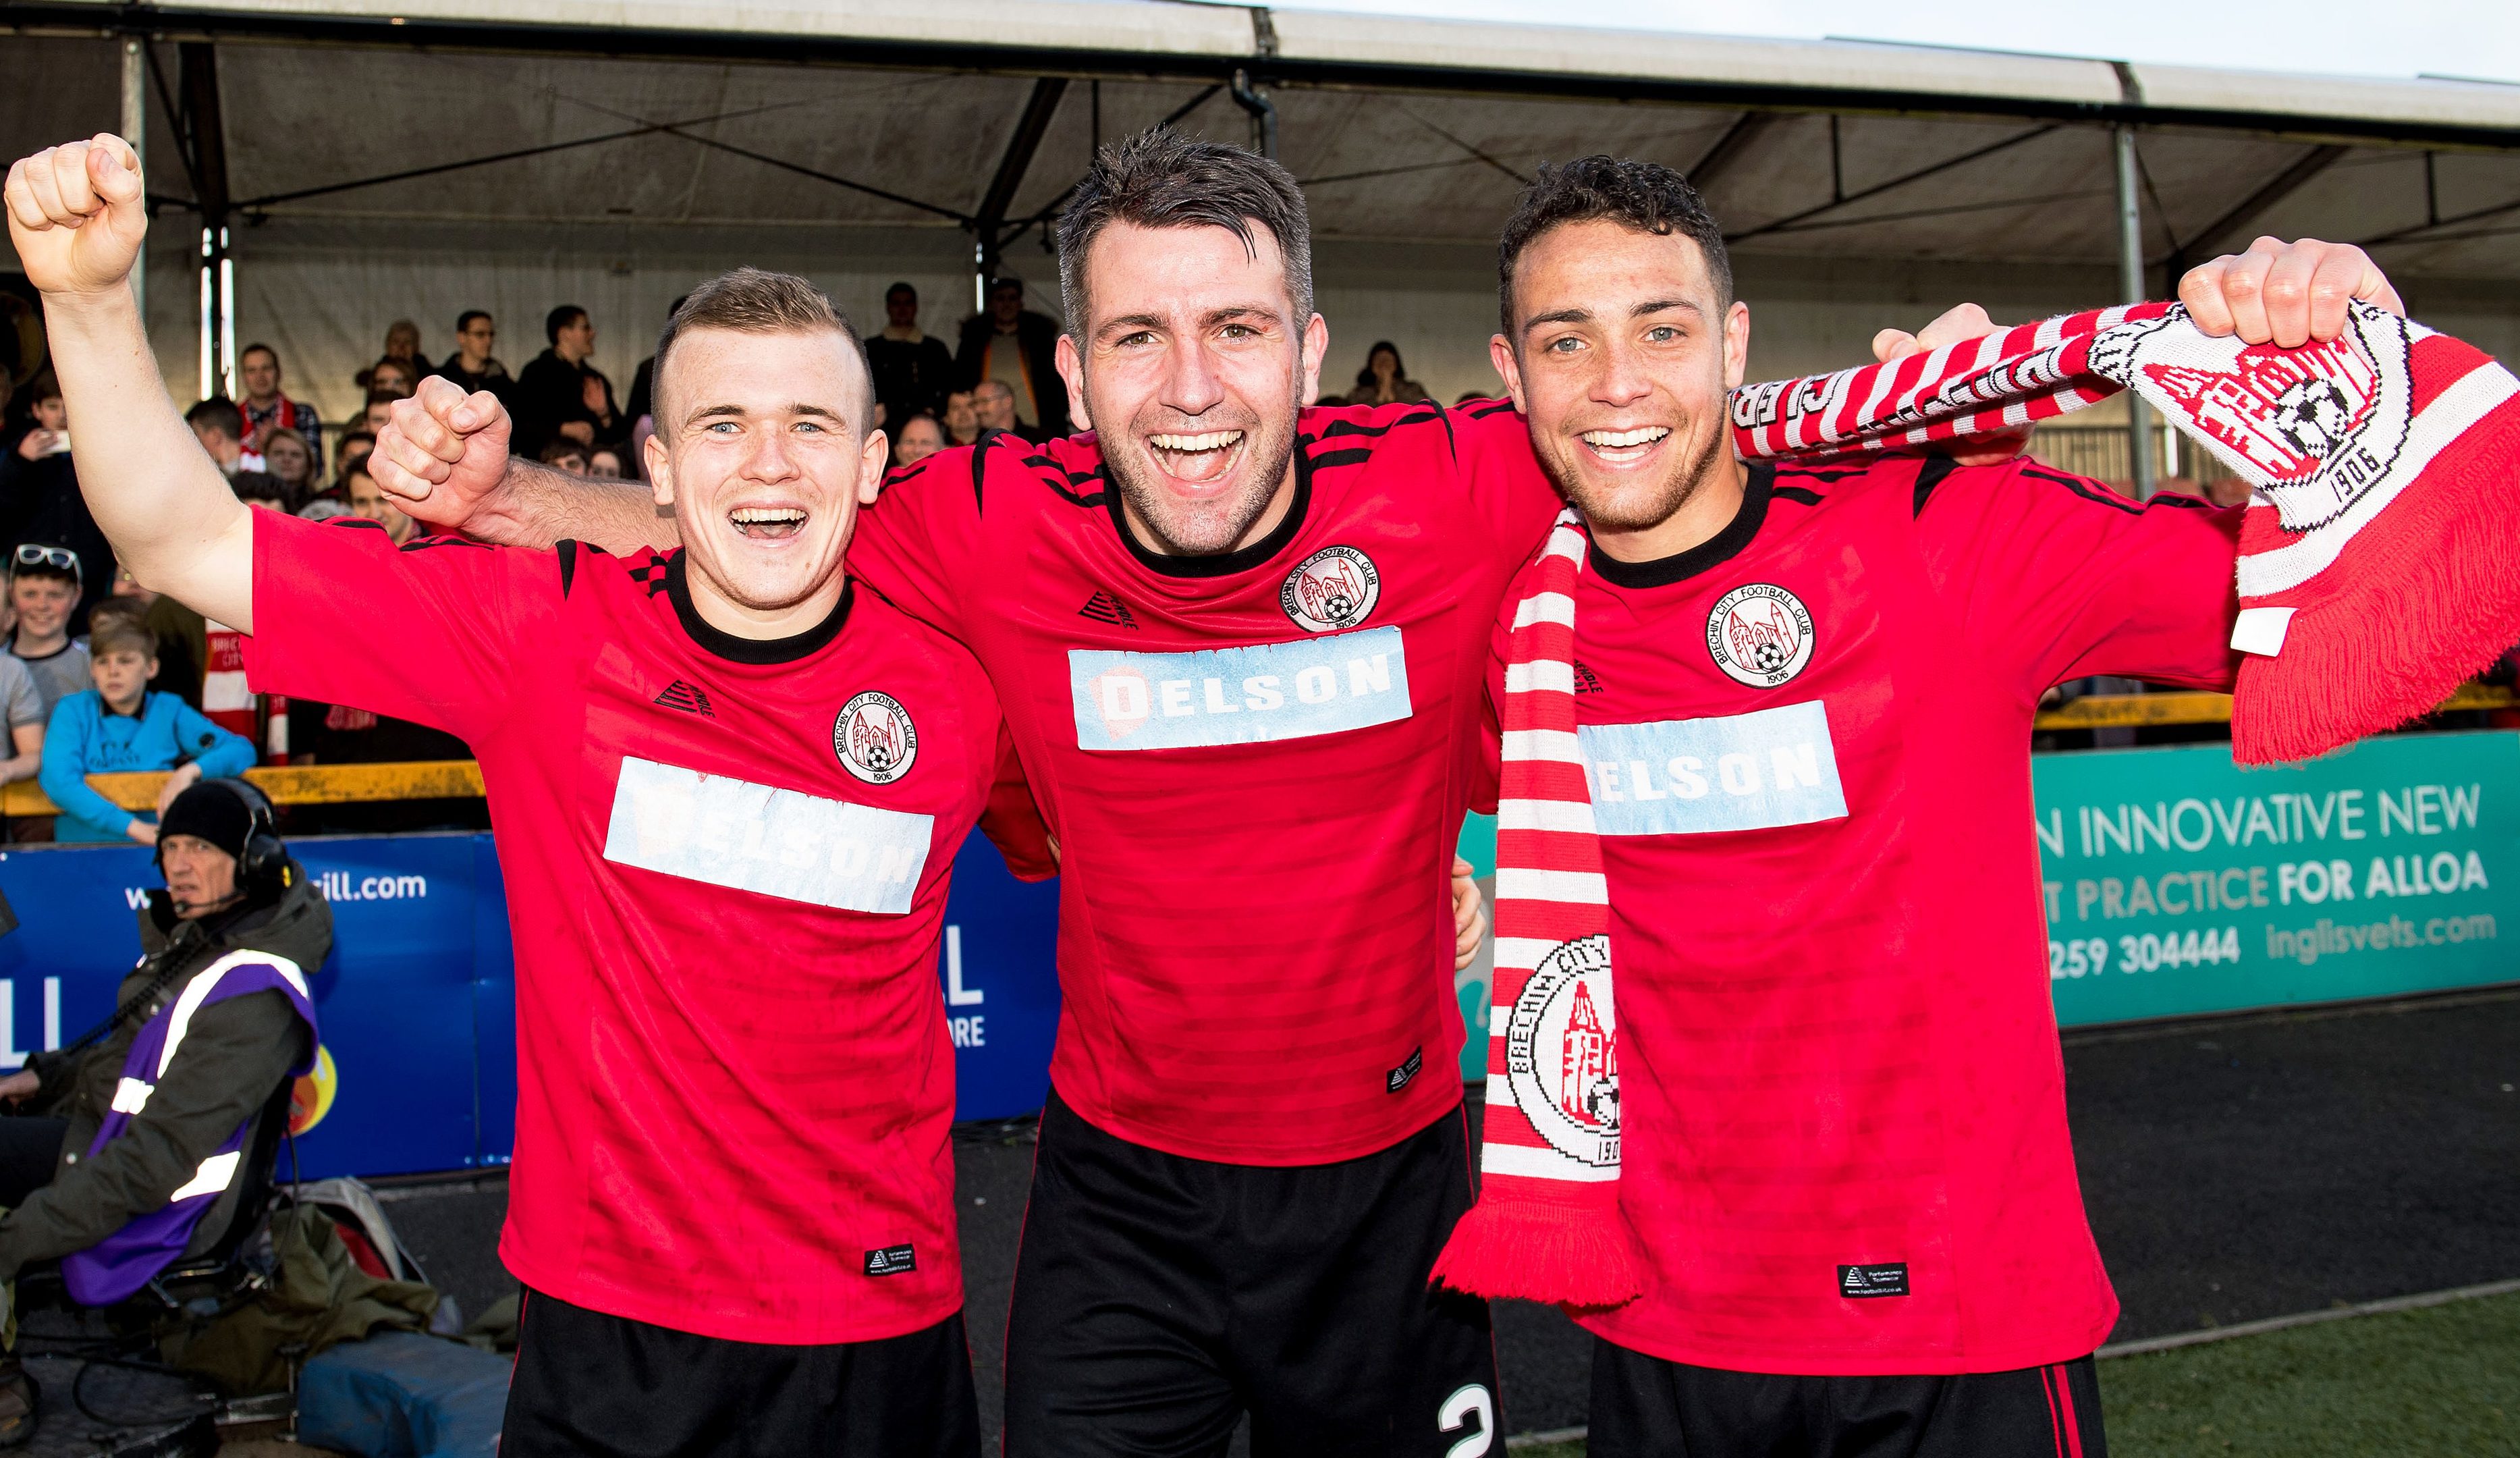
pixel 60 559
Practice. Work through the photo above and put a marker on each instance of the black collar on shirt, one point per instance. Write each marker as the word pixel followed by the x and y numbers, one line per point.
pixel 1711 553
pixel 1220 564
pixel 734 649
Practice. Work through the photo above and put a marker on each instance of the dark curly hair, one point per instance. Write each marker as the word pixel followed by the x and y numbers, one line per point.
pixel 1647 197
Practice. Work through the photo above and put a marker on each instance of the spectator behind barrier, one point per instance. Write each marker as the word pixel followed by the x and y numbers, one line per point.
pixel 367 500
pixel 44 587
pixel 642 380
pixel 239 925
pixel 1016 348
pixel 561 396
pixel 962 422
pixel 912 368
pixel 264 408
pixel 40 500
pixel 567 455
pixel 994 405
pixel 392 376
pixel 473 367
pixel 354 448
pixel 379 409
pixel 1384 381
pixel 220 427
pixel 263 489
pixel 915 439
pixel 402 345
pixel 119 726
pixel 292 462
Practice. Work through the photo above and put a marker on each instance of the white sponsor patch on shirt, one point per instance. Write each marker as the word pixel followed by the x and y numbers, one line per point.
pixel 1239 696
pixel 1749 771
pixel 779 843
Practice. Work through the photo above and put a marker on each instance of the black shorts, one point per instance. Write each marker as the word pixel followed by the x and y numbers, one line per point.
pixel 1158 1299
pixel 591 1384
pixel 1646 1407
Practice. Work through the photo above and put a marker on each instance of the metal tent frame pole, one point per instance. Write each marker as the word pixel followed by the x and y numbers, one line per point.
pixel 2139 435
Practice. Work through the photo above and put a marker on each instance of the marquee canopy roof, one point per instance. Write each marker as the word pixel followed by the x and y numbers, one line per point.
pixel 979 115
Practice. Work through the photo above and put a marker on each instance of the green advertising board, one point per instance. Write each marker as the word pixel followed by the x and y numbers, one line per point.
pixel 2177 881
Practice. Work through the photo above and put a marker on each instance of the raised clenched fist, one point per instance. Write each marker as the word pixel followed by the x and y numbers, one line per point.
pixel 442 452
pixel 76 215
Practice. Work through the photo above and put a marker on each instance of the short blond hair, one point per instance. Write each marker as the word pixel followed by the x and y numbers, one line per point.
pixel 117 632
pixel 753 300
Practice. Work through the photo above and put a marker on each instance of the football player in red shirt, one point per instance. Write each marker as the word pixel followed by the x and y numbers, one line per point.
pixel 1243 648
pixel 729 788
pixel 1805 705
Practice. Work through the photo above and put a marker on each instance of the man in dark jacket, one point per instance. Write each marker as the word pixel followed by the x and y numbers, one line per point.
pixel 913 369
pixel 1019 348
pixel 66 1188
pixel 562 394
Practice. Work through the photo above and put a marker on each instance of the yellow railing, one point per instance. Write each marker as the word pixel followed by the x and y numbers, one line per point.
pixel 2126 710
pixel 451 779
pixel 301 785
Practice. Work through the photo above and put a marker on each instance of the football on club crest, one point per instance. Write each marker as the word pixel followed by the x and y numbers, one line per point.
pixel 1561 1053
pixel 874 738
pixel 1761 634
pixel 1337 588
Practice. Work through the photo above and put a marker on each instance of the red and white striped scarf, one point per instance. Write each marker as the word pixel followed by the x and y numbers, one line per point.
pixel 2375 560
pixel 1547 1224
pixel 2374 577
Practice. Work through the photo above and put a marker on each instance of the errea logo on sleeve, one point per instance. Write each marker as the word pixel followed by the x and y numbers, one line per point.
pixel 1233 696
pixel 1750 771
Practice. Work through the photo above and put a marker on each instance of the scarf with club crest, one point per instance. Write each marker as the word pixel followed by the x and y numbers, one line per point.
pixel 2373 577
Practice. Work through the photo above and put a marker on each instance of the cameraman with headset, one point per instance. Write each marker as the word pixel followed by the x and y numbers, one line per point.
pixel 126 1155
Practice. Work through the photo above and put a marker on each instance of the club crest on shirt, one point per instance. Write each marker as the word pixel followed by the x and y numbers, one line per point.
pixel 1561 1052
pixel 1337 588
pixel 1760 633
pixel 874 738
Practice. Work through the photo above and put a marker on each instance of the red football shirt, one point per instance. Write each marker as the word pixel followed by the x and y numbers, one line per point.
pixel 726 865
pixel 1256 764
pixel 1842 1096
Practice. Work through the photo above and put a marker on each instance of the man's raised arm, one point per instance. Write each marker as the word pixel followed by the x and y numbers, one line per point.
pixel 76 220
pixel 445 455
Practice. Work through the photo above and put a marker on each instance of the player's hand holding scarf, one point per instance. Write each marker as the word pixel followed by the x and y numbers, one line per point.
pixel 2377 559
pixel 2376 573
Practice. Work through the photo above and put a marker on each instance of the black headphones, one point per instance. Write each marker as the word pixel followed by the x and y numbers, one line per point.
pixel 263 867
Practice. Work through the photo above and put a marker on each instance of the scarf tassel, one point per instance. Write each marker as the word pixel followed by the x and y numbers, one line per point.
pixel 1542 1246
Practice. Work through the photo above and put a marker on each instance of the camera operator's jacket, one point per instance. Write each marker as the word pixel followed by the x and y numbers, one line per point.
pixel 235 1053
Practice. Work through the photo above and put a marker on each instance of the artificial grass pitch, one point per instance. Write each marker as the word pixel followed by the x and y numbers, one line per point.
pixel 2441 1380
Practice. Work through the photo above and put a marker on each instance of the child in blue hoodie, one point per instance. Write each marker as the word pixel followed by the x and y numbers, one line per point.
pixel 120 725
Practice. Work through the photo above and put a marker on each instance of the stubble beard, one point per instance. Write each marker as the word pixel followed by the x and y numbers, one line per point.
pixel 1635 510
pixel 1208 528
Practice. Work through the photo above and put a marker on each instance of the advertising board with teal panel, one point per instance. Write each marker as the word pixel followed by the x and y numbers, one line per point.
pixel 2177 881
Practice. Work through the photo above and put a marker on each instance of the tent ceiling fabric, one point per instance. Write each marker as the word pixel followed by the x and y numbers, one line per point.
pixel 1377 165
pixel 713 143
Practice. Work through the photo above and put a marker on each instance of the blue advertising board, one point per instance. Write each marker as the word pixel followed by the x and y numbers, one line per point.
pixel 2177 883
pixel 416 1000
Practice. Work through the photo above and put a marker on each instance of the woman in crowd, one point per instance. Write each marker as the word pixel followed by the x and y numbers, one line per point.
pixel 1384 381
pixel 287 455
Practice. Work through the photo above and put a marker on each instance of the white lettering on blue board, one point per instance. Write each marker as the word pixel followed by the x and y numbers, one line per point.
pixel 1678 777
pixel 1239 696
